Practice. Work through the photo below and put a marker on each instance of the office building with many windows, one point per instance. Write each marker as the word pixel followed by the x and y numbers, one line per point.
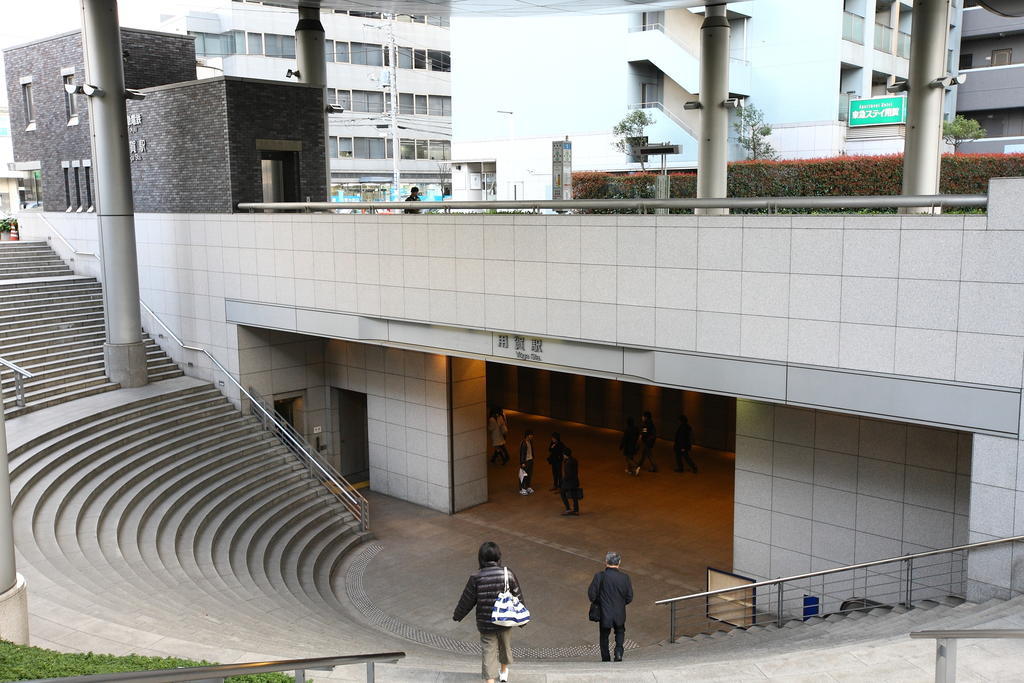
pixel 253 40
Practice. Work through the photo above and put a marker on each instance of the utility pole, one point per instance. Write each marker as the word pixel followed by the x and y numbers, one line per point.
pixel 393 84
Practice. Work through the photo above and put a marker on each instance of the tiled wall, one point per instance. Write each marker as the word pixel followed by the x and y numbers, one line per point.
pixel 816 490
pixel 407 418
pixel 469 437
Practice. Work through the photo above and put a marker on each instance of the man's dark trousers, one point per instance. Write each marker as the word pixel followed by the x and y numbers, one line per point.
pixel 620 637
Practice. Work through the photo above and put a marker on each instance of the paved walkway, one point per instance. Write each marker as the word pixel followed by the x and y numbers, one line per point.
pixel 669 528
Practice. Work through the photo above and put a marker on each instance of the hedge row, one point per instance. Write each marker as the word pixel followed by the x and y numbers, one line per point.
pixel 23 662
pixel 870 175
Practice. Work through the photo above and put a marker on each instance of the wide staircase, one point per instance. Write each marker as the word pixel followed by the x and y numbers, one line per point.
pixel 177 499
pixel 160 508
pixel 51 324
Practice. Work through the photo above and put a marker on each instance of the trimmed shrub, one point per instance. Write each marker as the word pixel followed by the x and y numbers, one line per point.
pixel 835 176
pixel 22 662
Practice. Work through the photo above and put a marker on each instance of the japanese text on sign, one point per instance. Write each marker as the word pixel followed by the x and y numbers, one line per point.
pixel 521 347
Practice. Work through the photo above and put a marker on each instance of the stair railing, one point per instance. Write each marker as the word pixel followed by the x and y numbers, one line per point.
pixel 20 375
pixel 853 588
pixel 945 647
pixel 347 494
pixel 218 672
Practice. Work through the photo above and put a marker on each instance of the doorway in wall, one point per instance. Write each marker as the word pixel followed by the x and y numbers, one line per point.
pixel 353 445
pixel 292 409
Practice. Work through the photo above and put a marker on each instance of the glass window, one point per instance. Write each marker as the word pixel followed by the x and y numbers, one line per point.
pixel 254 42
pixel 439 150
pixel 443 22
pixel 345 148
pixel 344 99
pixel 237 40
pixel 434 105
pixel 404 57
pixel 440 60
pixel 368 54
pixel 365 15
pixel 332 147
pixel 407 148
pixel 329 50
pixel 1002 56
pixel 277 45
pixel 419 59
pixel 405 103
pixel 966 60
pixel 340 51
pixel 368 101
pixel 422 149
pixel 421 104
pixel 30 109
pixel 70 103
pixel 369 148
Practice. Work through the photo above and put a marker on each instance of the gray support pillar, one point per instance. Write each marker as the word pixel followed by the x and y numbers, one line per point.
pixel 311 63
pixel 923 146
pixel 713 146
pixel 124 353
pixel 13 595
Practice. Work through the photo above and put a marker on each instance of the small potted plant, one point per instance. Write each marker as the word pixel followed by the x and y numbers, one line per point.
pixel 6 225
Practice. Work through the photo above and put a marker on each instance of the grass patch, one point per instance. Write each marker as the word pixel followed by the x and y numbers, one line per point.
pixel 23 662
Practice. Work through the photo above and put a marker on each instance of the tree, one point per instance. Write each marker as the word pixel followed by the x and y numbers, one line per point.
pixel 960 130
pixel 752 133
pixel 630 133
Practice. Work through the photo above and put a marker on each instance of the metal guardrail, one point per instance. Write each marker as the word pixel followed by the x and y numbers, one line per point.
pixel 644 205
pixel 885 582
pixel 63 239
pixel 218 672
pixel 20 375
pixel 329 476
pixel 347 494
pixel 945 647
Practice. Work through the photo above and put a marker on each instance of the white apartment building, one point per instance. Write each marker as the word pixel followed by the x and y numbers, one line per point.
pixel 799 62
pixel 253 40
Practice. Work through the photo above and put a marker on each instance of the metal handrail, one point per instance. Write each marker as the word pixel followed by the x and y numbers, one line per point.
pixel 645 205
pixel 63 239
pixel 660 106
pixel 218 672
pixel 836 570
pixel 347 494
pixel 945 647
pixel 906 591
pixel 20 375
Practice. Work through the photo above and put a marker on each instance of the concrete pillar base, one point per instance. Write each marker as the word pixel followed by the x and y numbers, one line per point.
pixel 14 613
pixel 126 363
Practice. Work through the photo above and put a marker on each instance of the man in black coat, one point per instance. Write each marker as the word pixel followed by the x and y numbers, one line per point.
pixel 612 590
pixel 570 482
pixel 682 445
pixel 555 449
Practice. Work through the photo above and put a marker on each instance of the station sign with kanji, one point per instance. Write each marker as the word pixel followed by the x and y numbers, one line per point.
pixel 877 111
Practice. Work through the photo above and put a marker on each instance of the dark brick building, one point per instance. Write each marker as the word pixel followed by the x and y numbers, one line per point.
pixel 196 146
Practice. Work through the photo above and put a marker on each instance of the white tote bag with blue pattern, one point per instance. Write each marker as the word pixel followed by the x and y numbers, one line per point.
pixel 508 610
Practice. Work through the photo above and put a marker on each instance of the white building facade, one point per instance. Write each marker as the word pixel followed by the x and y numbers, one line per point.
pixel 799 63
pixel 252 40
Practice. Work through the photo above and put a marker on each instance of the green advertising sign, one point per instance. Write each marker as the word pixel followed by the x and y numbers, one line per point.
pixel 877 111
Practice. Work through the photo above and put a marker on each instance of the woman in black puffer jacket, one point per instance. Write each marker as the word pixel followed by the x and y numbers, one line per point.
pixel 482 590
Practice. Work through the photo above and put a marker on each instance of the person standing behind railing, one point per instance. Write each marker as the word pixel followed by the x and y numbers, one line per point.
pixel 414 196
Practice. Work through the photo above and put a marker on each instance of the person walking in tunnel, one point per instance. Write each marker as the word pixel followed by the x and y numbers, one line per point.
pixel 555 450
pixel 497 425
pixel 526 463
pixel 648 439
pixel 569 482
pixel 682 445
pixel 609 592
pixel 630 436
pixel 481 591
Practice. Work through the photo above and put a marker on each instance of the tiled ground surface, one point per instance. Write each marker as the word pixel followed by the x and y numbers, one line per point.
pixel 669 527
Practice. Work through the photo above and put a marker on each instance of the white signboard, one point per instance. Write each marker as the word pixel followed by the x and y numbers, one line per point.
pixel 561 169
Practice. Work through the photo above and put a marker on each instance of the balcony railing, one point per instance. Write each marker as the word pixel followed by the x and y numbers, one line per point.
pixel 853 28
pixel 903 45
pixel 661 107
pixel 883 38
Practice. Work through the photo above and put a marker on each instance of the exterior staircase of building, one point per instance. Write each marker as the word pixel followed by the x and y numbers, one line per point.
pixel 51 324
